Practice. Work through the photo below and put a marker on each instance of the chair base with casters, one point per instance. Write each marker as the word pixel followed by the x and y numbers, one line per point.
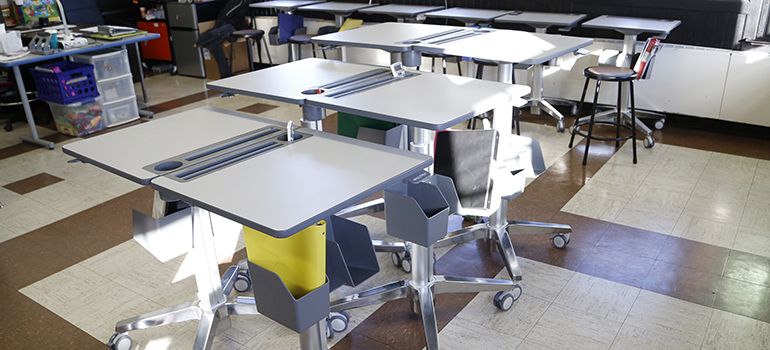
pixel 610 74
pixel 251 36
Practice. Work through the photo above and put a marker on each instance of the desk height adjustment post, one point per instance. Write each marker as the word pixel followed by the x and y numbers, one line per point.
pixel 312 117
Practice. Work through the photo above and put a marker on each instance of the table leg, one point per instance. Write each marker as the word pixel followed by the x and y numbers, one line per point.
pixel 503 123
pixel 141 71
pixel 28 112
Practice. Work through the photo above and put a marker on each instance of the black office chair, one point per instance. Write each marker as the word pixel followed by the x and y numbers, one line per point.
pixel 480 64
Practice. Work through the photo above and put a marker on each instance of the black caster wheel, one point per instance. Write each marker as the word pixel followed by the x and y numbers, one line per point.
pixel 560 126
pixel 120 341
pixel 242 282
pixel 560 241
pixel 8 127
pixel 649 142
pixel 338 321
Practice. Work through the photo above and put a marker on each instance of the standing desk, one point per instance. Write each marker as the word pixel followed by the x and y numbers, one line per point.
pixel 34 58
pixel 630 27
pixel 257 190
pixel 288 6
pixel 503 46
pixel 340 10
pixel 467 16
pixel 541 21
pixel 402 13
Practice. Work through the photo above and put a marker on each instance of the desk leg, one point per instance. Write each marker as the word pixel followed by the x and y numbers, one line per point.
pixel 141 71
pixel 503 122
pixel 28 112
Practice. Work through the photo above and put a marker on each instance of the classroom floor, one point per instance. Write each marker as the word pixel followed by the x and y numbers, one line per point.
pixel 670 253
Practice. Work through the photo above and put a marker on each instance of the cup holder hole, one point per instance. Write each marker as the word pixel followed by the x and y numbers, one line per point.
pixel 166 166
pixel 411 42
pixel 312 92
pixel 285 138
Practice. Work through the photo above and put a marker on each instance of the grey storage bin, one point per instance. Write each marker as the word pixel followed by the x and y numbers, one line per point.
pixel 416 212
pixel 350 256
pixel 276 302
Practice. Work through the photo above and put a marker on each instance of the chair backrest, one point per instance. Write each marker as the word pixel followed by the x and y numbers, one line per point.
pixel 467 157
pixel 82 12
pixel 643 65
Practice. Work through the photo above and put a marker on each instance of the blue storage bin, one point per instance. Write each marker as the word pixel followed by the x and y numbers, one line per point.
pixel 65 82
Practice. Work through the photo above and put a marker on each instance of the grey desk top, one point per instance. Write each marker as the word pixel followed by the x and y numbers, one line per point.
pixel 401 11
pixel 542 19
pixel 427 100
pixel 286 82
pixel 279 192
pixel 284 5
pixel 384 36
pixel 337 8
pixel 467 15
pixel 632 25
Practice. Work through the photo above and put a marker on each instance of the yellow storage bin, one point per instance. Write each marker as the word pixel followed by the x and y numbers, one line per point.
pixel 300 259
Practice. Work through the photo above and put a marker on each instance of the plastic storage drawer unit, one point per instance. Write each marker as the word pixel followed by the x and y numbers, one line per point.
pixel 107 65
pixel 116 88
pixel 121 111
pixel 78 118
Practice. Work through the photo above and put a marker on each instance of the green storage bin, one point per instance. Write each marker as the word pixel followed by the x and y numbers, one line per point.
pixel 348 124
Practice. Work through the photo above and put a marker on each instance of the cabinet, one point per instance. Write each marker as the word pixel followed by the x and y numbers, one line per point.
pixel 158 49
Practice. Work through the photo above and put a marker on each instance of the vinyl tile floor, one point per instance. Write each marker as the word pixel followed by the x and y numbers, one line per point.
pixel 669 253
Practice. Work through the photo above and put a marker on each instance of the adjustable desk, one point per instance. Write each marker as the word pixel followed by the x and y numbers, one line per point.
pixel 467 16
pixel 33 58
pixel 410 39
pixel 257 191
pixel 340 10
pixel 402 13
pixel 630 27
pixel 287 6
pixel 541 21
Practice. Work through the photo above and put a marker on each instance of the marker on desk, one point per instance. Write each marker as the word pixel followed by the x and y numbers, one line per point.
pixel 290 131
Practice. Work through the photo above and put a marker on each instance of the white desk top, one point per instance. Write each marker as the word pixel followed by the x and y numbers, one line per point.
pixel 467 15
pixel 383 36
pixel 542 19
pixel 337 8
pixel 632 25
pixel 286 82
pixel 401 11
pixel 427 100
pixel 125 152
pixel 284 5
pixel 279 192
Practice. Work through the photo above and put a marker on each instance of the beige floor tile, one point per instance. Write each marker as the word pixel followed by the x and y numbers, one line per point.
pixel 6 234
pixel 733 162
pixel 162 88
pixel 68 197
pixel 150 279
pixel 23 215
pixel 7 195
pixel 669 317
pixel 76 172
pixel 753 240
pixel 620 191
pixel 530 345
pixel 646 158
pixel 106 328
pixel 695 155
pixel 541 280
pixel 761 183
pixel 685 168
pixel 277 337
pixel 517 321
pixel 716 173
pixel 660 198
pixel 462 334
pixel 632 338
pixel 118 260
pixel 763 166
pixel 594 207
pixel 12 171
pixel 246 327
pixel 757 213
pixel 715 210
pixel 566 328
pixel 669 183
pixel 41 159
pixel 598 297
pixel 648 218
pixel 731 331
pixel 722 191
pixel 705 231
pixel 622 173
pixel 111 184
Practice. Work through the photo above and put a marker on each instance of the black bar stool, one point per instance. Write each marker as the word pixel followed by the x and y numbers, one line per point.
pixel 444 58
pixel 612 74
pixel 251 36
pixel 299 39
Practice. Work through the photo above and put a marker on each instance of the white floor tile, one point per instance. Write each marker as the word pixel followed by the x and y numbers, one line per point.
pixel 565 328
pixel 461 334
pixel 669 317
pixel 631 338
pixel 541 280
pixel 731 331
pixel 598 297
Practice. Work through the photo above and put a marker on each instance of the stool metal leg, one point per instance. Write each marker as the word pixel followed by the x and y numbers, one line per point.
pixel 633 119
pixel 580 110
pixel 267 50
pixel 620 117
pixel 591 122
pixel 248 51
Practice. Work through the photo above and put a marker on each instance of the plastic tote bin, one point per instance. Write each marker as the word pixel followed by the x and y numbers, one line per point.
pixel 65 82
pixel 350 256
pixel 416 212
pixel 116 88
pixel 79 118
pixel 121 111
pixel 107 65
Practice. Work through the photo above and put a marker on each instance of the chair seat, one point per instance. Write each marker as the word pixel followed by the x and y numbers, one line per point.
pixel 300 39
pixel 248 33
pixel 611 73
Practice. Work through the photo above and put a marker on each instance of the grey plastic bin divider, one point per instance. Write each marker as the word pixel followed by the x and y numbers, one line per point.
pixel 350 256
pixel 416 212
pixel 447 187
pixel 276 302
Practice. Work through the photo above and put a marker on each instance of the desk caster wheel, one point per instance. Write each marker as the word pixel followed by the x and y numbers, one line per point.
pixel 120 341
pixel 402 260
pixel 8 127
pixel 649 142
pixel 338 321
pixel 242 282
pixel 406 264
pixel 503 300
pixel 660 123
pixel 227 95
pixel 560 241
pixel 560 126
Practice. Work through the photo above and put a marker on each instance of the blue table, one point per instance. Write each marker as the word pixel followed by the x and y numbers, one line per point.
pixel 34 58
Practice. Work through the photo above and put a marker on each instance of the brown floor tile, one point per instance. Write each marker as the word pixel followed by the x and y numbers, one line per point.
pixel 33 183
pixel 540 248
pixel 695 255
pixel 682 283
pixel 92 231
pixel 472 259
pixel 744 298
pixel 616 266
pixel 632 241
pixel 395 325
pixel 23 262
pixel 584 229
pixel 257 108
pixel 16 304
pixel 354 341
pixel 23 147
pixel 749 268
pixel 713 141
